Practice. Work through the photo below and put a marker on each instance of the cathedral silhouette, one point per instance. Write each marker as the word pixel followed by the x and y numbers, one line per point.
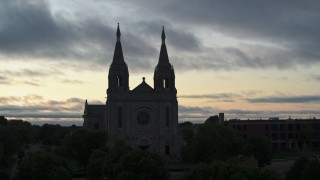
pixel 145 118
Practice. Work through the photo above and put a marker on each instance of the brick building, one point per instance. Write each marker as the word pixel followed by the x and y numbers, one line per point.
pixel 284 134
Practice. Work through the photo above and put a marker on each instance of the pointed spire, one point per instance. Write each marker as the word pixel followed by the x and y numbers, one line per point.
pixel 85 107
pixel 163 35
pixel 118 33
pixel 118 54
pixel 163 58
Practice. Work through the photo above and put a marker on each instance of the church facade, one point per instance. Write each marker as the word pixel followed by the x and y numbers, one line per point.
pixel 145 118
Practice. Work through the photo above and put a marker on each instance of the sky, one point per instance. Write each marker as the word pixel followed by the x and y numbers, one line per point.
pixel 249 59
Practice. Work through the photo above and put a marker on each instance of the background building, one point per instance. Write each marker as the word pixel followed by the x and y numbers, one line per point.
pixel 284 134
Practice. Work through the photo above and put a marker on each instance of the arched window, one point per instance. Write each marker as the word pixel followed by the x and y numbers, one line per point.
pixel 165 83
pixel 119 81
pixel 119 116
pixel 167 116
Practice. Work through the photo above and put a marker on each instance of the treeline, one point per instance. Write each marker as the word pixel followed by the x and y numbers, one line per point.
pixel 56 152
pixel 209 151
pixel 215 152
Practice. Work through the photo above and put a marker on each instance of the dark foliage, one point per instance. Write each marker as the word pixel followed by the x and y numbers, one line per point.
pixel 260 148
pixel 212 142
pixel 80 144
pixel 123 162
pixel 43 165
pixel 229 170
pixel 52 134
pixel 303 169
pixel 3 121
pixel 9 143
pixel 4 174
pixel 97 160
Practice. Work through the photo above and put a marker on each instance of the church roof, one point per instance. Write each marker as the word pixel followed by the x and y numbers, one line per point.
pixel 143 87
pixel 95 109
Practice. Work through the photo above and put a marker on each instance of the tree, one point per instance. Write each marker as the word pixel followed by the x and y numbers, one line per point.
pixel 295 171
pixel 187 133
pixel 268 174
pixel 186 130
pixel 3 121
pixel 185 124
pixel 304 169
pixel 212 120
pixel 23 130
pixel 125 163
pixel 141 165
pixel 118 150
pixel 4 174
pixel 82 143
pixel 311 171
pixel 96 162
pixel 304 137
pixel 52 134
pixel 43 165
pixel 212 142
pixel 260 148
pixel 229 170
pixel 9 141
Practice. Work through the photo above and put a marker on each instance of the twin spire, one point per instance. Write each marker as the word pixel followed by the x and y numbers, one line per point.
pixel 118 54
pixel 163 35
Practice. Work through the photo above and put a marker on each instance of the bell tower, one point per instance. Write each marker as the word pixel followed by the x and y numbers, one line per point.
pixel 164 78
pixel 118 78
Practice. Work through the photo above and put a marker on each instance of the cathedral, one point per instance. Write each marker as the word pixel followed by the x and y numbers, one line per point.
pixel 145 118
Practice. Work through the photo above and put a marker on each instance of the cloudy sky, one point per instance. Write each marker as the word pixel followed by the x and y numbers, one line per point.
pixel 248 59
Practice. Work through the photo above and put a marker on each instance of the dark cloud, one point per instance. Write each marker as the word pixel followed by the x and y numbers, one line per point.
pixel 69 81
pixel 31 73
pixel 286 99
pixel 31 30
pixel 212 96
pixel 35 106
pixel 4 80
pixel 75 100
pixel 285 34
pixel 54 115
pixel 314 77
pixel 250 93
pixel 31 83
pixel 141 45
pixel 200 114
pixel 275 34
pixel 29 26
pixel 256 114
pixel 285 21
pixel 195 110
pixel 236 58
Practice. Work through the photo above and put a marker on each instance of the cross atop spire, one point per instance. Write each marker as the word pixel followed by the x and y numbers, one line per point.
pixel 163 35
pixel 118 33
